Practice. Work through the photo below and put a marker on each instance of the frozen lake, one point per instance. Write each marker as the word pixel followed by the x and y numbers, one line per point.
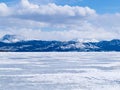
pixel 60 71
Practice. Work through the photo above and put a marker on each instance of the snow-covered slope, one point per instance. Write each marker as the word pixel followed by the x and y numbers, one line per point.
pixel 84 40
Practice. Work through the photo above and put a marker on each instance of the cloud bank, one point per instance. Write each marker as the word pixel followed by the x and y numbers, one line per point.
pixel 56 22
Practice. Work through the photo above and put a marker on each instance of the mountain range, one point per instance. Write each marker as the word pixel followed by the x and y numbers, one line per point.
pixel 14 43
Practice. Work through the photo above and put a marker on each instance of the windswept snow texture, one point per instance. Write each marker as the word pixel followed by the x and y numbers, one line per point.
pixel 60 71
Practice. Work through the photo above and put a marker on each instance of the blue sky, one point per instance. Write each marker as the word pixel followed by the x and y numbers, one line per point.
pixel 61 19
pixel 101 6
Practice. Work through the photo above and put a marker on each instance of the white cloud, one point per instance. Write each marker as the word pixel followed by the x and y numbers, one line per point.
pixel 52 13
pixel 62 22
pixel 4 10
pixel 25 4
pixel 29 34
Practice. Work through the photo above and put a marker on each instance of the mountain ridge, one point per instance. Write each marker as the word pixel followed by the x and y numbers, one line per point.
pixel 58 46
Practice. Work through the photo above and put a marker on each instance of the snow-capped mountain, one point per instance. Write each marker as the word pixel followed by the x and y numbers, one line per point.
pixel 84 40
pixel 17 44
pixel 11 38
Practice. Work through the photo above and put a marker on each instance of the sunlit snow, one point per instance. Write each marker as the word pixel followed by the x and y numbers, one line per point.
pixel 60 71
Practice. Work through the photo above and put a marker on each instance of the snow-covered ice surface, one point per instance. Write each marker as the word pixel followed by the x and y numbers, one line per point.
pixel 60 71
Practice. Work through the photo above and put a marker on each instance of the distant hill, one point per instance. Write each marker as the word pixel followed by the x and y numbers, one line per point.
pixel 13 43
